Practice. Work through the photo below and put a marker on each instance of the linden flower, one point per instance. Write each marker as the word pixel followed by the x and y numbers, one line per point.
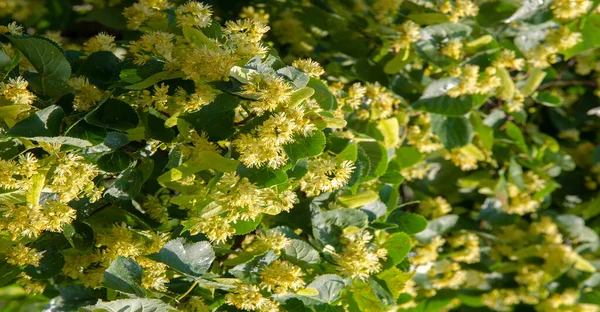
pixel 87 95
pixel 207 64
pixel 72 176
pixel 57 213
pixel 508 60
pixel 447 274
pixel 216 228
pixel 155 274
pixel 193 14
pixel 195 304
pixel 276 202
pixel 120 241
pixel 356 92
pixel 434 208
pixel 152 45
pixel 382 101
pixel 461 8
pixel 281 276
pixel 452 49
pixel 570 9
pixel 408 32
pixel 428 253
pixel 145 10
pixel 12 28
pixel 155 209
pixel 357 259
pixel 100 42
pixel 271 91
pixel 325 175
pixel 469 242
pixel 16 91
pixel 251 13
pixel 271 240
pixel 21 255
pixel 309 66
pixel 247 297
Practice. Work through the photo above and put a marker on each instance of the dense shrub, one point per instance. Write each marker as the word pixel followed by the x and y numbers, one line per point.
pixel 343 155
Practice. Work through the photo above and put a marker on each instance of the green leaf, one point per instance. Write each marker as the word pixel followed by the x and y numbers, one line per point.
pixel 408 156
pixel 589 35
pixel 189 258
pixel 365 297
pixel 377 155
pixel 360 199
pixel 409 223
pixel 43 123
pixel 305 146
pixel 197 37
pixel 51 264
pixel 127 185
pixel 390 129
pixel 113 114
pixel 12 196
pixel 516 135
pixel 322 94
pixel 244 227
pixel 453 132
pixel 547 99
pixel 263 177
pixel 101 68
pixel 124 274
pixel 328 225
pixel 46 57
pixel 398 246
pixel 154 79
pixel 116 161
pixel 129 305
pixel 301 253
pixel 329 287
pixel 63 140
pixel 201 161
pixel 435 100
pixel 216 118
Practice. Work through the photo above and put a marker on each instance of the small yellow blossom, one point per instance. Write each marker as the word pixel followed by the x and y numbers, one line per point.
pixel 452 49
pixel 100 42
pixel 309 66
pixel 87 95
pixel 357 259
pixel 21 255
pixel 281 276
pixel 408 32
pixel 570 9
pixel 250 12
pixel 193 14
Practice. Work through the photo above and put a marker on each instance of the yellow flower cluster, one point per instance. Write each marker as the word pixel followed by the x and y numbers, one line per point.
pixel 459 9
pixel 252 13
pixel 420 135
pixel 248 297
pixel 358 259
pixel 281 276
pixel 522 201
pixel 237 199
pixel 407 33
pixel 434 207
pixel 100 42
pixel 557 40
pixel 87 95
pixel 325 174
pixel 70 178
pixel 15 92
pixel 570 9
pixel 472 83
